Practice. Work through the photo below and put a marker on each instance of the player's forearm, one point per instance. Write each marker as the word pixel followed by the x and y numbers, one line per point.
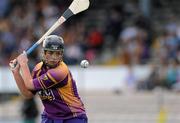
pixel 20 83
pixel 26 75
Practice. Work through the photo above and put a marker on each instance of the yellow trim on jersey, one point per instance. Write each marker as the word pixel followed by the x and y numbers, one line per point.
pixel 51 85
pixel 43 84
pixel 49 75
pixel 38 66
pixel 69 97
pixel 62 97
pixel 39 79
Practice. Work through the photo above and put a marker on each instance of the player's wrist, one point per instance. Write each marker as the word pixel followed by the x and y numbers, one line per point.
pixel 23 64
pixel 15 72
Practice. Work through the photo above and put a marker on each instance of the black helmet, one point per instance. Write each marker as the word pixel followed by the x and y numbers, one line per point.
pixel 53 43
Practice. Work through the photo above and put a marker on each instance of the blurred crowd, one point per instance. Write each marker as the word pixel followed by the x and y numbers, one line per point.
pixel 117 35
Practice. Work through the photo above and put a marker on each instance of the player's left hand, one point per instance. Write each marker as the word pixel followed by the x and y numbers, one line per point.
pixel 22 58
pixel 14 65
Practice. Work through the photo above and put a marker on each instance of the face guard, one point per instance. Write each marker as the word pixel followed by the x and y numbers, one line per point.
pixel 52 46
pixel 53 43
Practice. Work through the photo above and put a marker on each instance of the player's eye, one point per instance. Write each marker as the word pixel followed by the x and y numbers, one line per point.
pixel 49 52
pixel 58 53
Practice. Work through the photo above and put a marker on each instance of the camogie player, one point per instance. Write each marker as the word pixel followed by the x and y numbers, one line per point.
pixel 53 82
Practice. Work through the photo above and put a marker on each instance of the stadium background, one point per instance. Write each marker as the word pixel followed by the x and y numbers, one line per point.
pixel 119 34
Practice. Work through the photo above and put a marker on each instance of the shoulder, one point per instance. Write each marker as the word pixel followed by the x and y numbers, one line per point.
pixel 38 66
pixel 61 68
pixel 60 72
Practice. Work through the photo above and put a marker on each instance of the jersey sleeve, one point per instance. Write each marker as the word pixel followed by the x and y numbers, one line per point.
pixel 53 78
pixel 33 75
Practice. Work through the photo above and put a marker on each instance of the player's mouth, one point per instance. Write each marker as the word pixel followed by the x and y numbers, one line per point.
pixel 53 62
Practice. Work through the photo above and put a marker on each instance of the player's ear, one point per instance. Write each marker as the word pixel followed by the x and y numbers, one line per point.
pixel 42 54
pixel 62 52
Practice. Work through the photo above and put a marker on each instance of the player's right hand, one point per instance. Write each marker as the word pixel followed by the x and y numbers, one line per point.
pixel 14 65
pixel 22 58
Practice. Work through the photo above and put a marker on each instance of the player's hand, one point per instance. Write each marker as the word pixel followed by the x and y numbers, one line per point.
pixel 22 58
pixel 14 65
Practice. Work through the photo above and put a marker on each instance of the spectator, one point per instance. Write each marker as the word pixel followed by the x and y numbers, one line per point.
pixel 29 111
pixel 172 74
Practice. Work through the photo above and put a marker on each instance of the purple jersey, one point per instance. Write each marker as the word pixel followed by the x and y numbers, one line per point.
pixel 58 92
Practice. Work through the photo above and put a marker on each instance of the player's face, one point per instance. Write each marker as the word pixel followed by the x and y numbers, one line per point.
pixel 52 58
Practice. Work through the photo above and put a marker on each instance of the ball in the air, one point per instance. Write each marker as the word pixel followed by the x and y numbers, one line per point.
pixel 84 63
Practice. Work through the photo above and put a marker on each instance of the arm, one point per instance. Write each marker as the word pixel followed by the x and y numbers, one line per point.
pixel 26 75
pixel 52 78
pixel 20 83
pixel 24 91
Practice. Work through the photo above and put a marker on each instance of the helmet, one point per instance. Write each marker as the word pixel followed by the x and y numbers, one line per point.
pixel 53 43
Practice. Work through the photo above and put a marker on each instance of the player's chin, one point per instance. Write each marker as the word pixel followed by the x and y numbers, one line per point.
pixel 53 63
